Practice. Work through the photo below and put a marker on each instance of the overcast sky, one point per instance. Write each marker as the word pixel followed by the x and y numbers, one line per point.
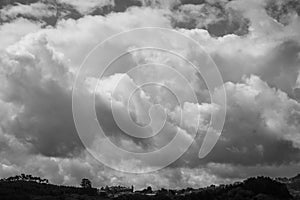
pixel 255 44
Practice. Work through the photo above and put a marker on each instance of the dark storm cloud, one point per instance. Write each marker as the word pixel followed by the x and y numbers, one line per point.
pixel 46 12
pixel 284 62
pixel 250 147
pixel 283 10
pixel 216 17
pixel 10 2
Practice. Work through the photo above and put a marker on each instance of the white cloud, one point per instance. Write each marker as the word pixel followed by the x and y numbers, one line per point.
pixel 260 120
pixel 15 30
pixel 260 71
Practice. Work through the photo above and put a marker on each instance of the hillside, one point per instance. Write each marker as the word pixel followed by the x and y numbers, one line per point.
pixel 259 188
pixel 24 190
pixel 293 185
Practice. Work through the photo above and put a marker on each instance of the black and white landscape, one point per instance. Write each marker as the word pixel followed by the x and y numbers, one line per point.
pixel 45 45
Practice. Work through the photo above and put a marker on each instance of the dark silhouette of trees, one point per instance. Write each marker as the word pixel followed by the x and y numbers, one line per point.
pixel 259 188
pixel 265 185
pixel 149 189
pixel 23 187
pixel 86 183
pixel 24 177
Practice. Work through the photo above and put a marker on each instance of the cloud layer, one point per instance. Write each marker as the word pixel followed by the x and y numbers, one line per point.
pixel 254 44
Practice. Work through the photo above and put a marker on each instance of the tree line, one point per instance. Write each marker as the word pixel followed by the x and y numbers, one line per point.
pixel 24 177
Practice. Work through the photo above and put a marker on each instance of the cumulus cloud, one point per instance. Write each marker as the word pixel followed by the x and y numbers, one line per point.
pixel 268 121
pixel 15 30
pixel 260 70
pixel 35 80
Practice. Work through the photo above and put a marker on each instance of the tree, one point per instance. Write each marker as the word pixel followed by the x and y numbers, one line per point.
pixel 86 183
pixel 149 189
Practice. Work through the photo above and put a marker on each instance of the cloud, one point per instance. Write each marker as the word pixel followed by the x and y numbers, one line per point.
pixel 274 58
pixel 85 7
pixel 88 31
pixel 36 81
pixel 268 126
pixel 217 18
pixel 260 69
pixel 37 85
pixel 15 30
pixel 237 172
pixel 283 11
pixel 35 10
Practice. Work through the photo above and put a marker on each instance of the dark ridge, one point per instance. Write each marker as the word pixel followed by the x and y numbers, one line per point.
pixel 258 188
pixel 23 190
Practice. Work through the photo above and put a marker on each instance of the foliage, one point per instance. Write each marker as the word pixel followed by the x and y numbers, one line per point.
pixel 30 187
pixel 86 183
pixel 24 177
pixel 25 187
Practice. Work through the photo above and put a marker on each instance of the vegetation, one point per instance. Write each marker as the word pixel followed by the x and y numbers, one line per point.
pixel 86 183
pixel 260 188
pixel 23 187
pixel 24 177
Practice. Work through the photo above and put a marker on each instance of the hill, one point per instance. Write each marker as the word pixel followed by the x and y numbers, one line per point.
pixel 293 185
pixel 27 187
pixel 27 190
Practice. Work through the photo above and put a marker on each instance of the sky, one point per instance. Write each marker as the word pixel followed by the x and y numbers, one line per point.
pixel 254 44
